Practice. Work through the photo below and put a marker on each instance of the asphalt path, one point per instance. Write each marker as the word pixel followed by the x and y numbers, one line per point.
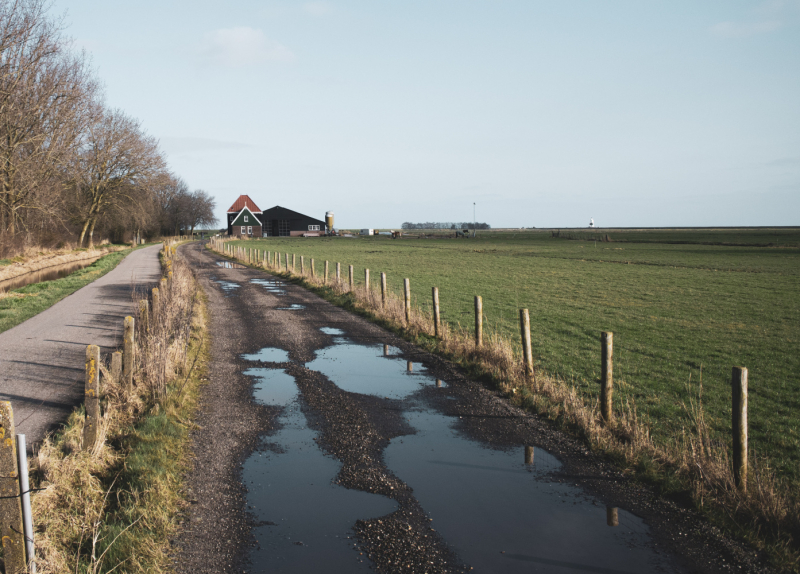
pixel 42 359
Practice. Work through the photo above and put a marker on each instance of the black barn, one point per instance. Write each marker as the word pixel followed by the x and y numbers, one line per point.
pixel 282 222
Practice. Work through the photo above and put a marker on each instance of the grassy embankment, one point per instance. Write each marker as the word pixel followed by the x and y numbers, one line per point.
pixel 115 507
pixel 21 304
pixel 676 301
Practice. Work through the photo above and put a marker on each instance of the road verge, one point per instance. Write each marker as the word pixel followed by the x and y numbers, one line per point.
pixel 113 507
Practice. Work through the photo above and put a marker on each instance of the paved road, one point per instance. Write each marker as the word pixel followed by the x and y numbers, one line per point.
pixel 41 360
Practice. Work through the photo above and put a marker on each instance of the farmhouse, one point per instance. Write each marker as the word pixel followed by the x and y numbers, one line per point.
pixel 245 219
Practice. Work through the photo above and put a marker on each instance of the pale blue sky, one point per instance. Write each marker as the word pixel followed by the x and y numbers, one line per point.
pixel 542 113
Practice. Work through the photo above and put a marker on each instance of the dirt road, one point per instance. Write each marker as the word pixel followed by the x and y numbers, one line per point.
pixel 327 444
pixel 41 360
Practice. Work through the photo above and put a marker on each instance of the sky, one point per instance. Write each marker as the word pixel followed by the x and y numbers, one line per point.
pixel 518 113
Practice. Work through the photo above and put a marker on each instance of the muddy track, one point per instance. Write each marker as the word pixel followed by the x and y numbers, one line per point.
pixel 355 429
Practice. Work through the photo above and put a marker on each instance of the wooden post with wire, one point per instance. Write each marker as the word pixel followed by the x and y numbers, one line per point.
pixel 366 281
pixel 407 294
pixel 91 425
pixel 478 321
pixel 437 327
pixel 525 331
pixel 383 289
pixel 128 353
pixel 739 400
pixel 302 266
pixel 325 277
pixel 607 376
pixel 144 315
pixel 352 277
pixel 338 272
pixel 11 528
pixel 313 271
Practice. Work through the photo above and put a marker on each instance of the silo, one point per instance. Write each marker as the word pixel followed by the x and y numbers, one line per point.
pixel 329 220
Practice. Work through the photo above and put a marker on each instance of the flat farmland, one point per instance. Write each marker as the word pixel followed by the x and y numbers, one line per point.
pixel 677 301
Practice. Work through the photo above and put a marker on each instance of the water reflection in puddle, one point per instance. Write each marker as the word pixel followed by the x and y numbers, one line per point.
pixel 268 355
pixel 331 331
pixel 273 387
pixel 227 286
pixel 229 265
pixel 490 507
pixel 364 369
pixel 292 307
pixel 306 521
pixel 270 285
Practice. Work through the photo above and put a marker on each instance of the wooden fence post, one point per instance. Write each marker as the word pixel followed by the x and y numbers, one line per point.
pixel 436 323
pixel 352 278
pixel 127 353
pixel 156 302
pixel 91 425
pixel 607 375
pixel 116 367
pixel 11 528
pixel 528 455
pixel 313 271
pixel 302 265
pixel 338 272
pixel 383 289
pixel 294 260
pixel 144 312
pixel 525 331
pixel 407 293
pixel 325 280
pixel 366 281
pixel 739 396
pixel 287 262
pixel 478 321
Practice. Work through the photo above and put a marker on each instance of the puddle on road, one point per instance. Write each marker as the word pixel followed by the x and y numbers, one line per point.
pixel 271 286
pixel 268 355
pixel 331 331
pixel 227 286
pixel 364 369
pixel 305 520
pixel 273 387
pixel 229 265
pixel 292 307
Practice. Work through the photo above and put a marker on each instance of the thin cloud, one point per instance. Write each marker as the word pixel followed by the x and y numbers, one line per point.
pixel 318 9
pixel 239 47
pixel 744 30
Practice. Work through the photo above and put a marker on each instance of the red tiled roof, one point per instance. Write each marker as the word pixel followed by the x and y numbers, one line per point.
pixel 239 204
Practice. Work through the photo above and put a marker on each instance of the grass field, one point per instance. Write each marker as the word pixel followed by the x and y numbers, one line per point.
pixel 676 301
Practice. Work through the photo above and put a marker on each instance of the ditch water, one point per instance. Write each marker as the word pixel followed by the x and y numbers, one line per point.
pixel 497 509
pixel 47 274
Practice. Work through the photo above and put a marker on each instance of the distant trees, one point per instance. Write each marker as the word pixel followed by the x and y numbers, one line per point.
pixel 69 166
pixel 445 225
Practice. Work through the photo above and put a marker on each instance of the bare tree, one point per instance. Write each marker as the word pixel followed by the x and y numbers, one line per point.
pixel 200 210
pixel 46 94
pixel 117 169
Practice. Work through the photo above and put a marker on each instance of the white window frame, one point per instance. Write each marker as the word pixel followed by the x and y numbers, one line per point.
pixel 313 227
pixel 245 219
pixel 249 230
pixel 244 230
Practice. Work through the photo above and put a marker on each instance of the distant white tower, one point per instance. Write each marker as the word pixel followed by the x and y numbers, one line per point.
pixel 591 222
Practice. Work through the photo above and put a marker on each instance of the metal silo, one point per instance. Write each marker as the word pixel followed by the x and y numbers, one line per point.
pixel 329 220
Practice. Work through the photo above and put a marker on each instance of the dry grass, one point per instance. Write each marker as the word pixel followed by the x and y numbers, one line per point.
pixel 767 514
pixel 112 507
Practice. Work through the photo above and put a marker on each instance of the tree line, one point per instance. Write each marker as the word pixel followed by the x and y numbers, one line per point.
pixel 446 225
pixel 72 168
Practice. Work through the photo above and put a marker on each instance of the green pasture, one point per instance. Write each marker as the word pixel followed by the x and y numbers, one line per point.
pixel 677 301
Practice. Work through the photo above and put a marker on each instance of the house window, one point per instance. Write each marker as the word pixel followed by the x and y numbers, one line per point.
pixel 313 227
pixel 244 229
pixel 249 230
pixel 245 219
